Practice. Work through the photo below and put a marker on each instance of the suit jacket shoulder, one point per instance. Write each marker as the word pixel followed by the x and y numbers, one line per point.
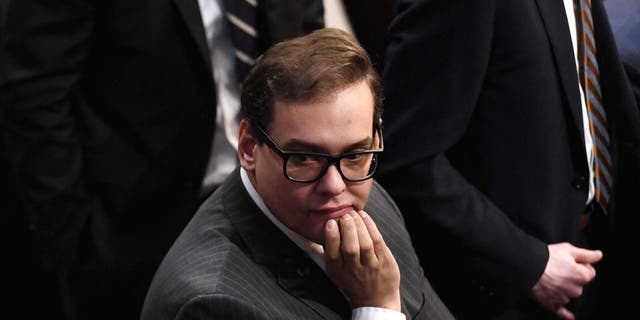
pixel 232 262
pixel 419 300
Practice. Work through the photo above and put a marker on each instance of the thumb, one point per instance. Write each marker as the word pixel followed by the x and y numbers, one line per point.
pixel 587 256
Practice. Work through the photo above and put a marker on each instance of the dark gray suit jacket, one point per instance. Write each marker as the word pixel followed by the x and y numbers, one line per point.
pixel 231 262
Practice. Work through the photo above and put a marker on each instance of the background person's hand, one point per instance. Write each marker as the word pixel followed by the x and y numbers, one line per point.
pixel 569 268
pixel 360 263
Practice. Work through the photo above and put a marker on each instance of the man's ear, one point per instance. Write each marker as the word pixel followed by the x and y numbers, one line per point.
pixel 247 144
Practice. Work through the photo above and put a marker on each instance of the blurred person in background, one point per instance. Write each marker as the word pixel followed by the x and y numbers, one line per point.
pixel 625 24
pixel 119 118
pixel 513 150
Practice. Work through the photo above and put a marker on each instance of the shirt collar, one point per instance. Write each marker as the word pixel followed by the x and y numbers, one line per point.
pixel 314 250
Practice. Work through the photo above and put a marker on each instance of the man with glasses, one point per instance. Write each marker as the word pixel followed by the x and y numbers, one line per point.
pixel 301 231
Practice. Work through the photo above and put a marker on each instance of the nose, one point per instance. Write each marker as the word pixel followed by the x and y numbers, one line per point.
pixel 331 182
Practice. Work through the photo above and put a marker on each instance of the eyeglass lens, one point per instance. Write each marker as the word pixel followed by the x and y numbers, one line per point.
pixel 307 167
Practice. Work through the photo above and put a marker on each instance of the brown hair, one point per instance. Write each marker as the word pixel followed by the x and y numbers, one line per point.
pixel 307 68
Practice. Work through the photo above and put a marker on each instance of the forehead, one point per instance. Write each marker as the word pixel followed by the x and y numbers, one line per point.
pixel 341 117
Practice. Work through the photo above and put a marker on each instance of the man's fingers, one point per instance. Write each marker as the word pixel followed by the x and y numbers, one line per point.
pixel 367 253
pixel 587 272
pixel 378 242
pixel 349 239
pixel 586 256
pixel 332 242
pixel 563 313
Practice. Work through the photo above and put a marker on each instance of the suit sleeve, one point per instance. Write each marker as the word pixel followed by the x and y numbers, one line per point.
pixel 436 64
pixel 219 306
pixel 313 15
pixel 46 45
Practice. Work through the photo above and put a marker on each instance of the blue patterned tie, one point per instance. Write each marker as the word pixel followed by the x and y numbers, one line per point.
pixel 241 15
pixel 597 117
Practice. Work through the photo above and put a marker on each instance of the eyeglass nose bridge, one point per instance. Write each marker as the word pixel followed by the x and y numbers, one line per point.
pixel 332 161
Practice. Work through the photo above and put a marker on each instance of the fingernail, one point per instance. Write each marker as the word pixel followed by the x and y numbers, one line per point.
pixel 331 224
pixel 346 217
pixel 363 214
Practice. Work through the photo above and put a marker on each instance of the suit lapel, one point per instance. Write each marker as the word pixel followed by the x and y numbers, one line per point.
pixel 556 25
pixel 190 13
pixel 302 278
pixel 294 271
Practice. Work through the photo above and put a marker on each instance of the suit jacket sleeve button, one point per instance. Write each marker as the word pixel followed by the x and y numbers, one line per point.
pixel 581 183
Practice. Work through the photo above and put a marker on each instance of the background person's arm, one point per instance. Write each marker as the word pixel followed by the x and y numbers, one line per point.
pixel 45 48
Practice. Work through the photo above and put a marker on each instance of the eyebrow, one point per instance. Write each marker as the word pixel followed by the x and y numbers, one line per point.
pixel 296 145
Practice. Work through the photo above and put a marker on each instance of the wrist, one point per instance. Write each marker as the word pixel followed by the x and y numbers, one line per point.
pixel 391 302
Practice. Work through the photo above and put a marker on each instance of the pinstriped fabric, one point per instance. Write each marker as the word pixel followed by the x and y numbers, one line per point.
pixel 241 15
pixel 228 264
pixel 415 289
pixel 593 98
pixel 231 262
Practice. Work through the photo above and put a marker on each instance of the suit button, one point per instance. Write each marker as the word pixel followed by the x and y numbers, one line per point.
pixel 581 184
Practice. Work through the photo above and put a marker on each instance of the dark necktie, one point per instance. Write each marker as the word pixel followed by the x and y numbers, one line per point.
pixel 589 73
pixel 241 15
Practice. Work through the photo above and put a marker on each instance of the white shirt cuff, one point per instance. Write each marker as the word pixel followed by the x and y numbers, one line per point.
pixel 373 313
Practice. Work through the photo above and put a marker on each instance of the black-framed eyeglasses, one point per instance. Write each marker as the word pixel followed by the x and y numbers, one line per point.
pixel 310 166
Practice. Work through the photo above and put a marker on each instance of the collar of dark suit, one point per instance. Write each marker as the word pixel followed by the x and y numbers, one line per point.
pixel 555 21
pixel 294 271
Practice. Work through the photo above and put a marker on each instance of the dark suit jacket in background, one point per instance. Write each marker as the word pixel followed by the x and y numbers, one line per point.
pixel 110 110
pixel 485 147
pixel 231 262
pixel 370 21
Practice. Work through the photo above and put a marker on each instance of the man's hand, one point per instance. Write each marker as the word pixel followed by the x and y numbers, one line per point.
pixel 360 263
pixel 569 268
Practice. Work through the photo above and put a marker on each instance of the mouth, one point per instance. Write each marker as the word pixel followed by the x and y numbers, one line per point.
pixel 332 212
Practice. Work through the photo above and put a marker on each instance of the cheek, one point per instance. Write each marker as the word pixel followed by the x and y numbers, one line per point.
pixel 296 196
pixel 360 193
pixel 292 210
pixel 292 198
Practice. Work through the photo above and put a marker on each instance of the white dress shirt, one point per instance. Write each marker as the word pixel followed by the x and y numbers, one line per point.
pixel 588 139
pixel 223 158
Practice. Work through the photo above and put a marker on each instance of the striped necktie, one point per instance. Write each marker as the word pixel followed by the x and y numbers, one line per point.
pixel 241 15
pixel 589 73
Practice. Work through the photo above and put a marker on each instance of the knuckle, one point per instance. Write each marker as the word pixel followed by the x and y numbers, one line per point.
pixel 578 293
pixel 574 293
pixel 366 246
pixel 377 240
pixel 332 256
pixel 350 251
pixel 585 277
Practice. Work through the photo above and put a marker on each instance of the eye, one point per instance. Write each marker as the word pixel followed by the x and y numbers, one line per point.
pixel 354 157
